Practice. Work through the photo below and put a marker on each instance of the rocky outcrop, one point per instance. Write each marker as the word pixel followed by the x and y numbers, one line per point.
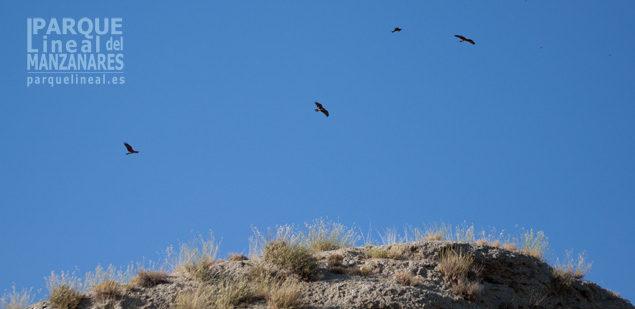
pixel 499 278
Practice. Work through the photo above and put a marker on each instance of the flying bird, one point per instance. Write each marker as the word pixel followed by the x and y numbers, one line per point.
pixel 320 108
pixel 464 39
pixel 396 29
pixel 130 150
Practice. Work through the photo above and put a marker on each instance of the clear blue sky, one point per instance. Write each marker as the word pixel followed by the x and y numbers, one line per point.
pixel 532 126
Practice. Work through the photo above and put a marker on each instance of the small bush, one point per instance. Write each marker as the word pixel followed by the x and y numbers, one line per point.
pixel 286 295
pixel 407 279
pixel 148 278
pixel 296 258
pixel 335 259
pixel 107 291
pixel 16 299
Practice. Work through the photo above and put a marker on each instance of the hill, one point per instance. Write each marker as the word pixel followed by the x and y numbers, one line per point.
pixel 422 274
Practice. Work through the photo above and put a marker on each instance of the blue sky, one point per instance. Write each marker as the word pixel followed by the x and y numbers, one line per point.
pixel 532 126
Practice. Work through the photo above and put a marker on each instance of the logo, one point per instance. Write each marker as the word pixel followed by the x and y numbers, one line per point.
pixel 74 52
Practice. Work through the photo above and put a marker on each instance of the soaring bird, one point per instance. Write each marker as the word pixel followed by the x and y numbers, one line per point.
pixel 396 29
pixel 464 39
pixel 321 109
pixel 130 150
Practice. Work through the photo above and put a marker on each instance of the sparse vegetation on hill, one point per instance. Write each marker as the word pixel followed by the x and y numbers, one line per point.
pixel 316 265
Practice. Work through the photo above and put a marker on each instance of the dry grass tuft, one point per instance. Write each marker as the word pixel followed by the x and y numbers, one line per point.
pixel 318 235
pixel 455 264
pixel 576 268
pixel 534 245
pixel 286 295
pixel 562 280
pixel 107 292
pixel 395 252
pixel 149 278
pixel 296 258
pixel 65 297
pixel 364 270
pixel 482 242
pixel 222 294
pixel 509 247
pixel 466 288
pixel 433 232
pixel 16 299
pixel 64 290
pixel 201 270
pixel 194 254
pixel 335 259
pixel 237 257
pixel 407 279
pixel 326 235
pixel 202 297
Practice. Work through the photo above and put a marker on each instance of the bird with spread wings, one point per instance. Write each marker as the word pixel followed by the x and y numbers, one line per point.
pixel 396 29
pixel 130 150
pixel 320 108
pixel 464 39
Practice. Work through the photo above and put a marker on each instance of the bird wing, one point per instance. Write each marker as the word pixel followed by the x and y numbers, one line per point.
pixel 460 37
pixel 325 112
pixel 318 105
pixel 468 40
pixel 128 147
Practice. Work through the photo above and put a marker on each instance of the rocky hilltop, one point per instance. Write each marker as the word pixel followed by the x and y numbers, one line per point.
pixel 424 274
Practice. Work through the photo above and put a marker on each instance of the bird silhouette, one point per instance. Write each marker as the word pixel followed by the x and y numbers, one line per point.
pixel 464 39
pixel 130 150
pixel 320 108
pixel 396 29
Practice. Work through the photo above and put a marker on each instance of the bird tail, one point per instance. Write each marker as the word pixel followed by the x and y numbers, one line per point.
pixel 134 151
pixel 317 110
